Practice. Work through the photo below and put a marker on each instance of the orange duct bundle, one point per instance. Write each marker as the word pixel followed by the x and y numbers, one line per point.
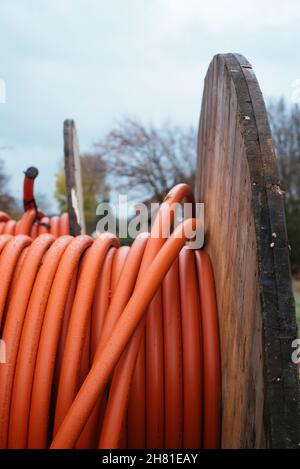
pixel 108 346
pixel 32 226
pixel 33 222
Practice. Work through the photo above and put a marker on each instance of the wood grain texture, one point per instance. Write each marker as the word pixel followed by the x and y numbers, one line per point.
pixel 238 181
pixel 73 179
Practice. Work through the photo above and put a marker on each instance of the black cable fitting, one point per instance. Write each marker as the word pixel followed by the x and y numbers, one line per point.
pixel 31 172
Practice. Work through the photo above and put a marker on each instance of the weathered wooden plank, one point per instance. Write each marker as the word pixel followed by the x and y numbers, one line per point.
pixel 237 179
pixel 73 179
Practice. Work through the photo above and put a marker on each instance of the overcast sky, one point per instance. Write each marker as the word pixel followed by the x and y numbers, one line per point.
pixel 98 60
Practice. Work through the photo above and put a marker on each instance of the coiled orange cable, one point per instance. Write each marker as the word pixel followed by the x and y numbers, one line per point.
pixel 31 226
pixel 92 328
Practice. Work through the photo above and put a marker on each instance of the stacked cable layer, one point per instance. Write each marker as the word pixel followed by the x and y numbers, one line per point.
pixel 109 346
pixel 33 226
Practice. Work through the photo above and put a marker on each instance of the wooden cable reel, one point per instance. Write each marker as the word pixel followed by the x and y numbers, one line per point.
pixel 237 179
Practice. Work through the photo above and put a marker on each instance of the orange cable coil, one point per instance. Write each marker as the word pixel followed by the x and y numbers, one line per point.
pixel 108 346
pixel 30 225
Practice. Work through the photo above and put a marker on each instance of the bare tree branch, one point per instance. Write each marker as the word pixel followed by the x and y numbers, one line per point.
pixel 147 159
pixel 285 125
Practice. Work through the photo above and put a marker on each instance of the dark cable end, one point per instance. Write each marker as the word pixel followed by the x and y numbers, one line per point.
pixel 31 172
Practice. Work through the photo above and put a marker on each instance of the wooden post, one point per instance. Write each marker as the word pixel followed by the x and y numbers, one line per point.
pixel 73 179
pixel 237 179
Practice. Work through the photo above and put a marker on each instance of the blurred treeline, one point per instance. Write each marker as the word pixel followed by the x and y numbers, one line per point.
pixel 145 161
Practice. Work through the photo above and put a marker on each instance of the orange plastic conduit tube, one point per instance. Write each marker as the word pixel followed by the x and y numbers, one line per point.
pixel 33 222
pixel 30 225
pixel 108 346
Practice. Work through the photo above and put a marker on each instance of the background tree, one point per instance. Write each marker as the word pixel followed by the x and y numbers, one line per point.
pixel 148 160
pixel 285 125
pixel 95 188
pixel 8 203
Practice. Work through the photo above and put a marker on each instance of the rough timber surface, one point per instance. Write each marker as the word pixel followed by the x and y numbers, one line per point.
pixel 237 179
pixel 73 179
